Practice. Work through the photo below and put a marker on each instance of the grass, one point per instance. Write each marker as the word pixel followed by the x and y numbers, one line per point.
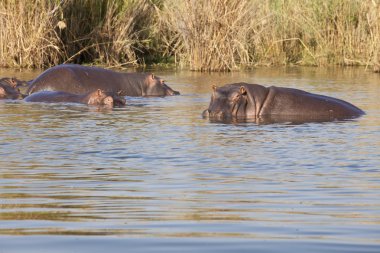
pixel 27 35
pixel 214 35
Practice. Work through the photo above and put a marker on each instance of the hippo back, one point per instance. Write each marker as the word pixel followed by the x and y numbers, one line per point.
pixel 54 97
pixel 289 101
pixel 80 79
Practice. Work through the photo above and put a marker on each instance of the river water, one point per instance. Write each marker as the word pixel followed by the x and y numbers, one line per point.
pixel 155 176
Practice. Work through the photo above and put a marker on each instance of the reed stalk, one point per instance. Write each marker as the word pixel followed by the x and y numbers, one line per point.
pixel 224 35
pixel 209 35
pixel 213 35
pixel 28 37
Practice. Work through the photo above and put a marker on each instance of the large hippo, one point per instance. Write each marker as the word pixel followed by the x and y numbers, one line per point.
pixel 9 88
pixel 253 101
pixel 80 79
pixel 97 97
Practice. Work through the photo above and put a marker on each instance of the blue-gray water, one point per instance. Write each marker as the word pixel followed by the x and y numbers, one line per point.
pixel 156 177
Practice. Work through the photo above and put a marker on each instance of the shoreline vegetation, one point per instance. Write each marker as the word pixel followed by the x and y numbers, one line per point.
pixel 213 35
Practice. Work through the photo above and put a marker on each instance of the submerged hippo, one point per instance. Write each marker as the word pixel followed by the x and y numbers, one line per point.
pixel 80 79
pixel 275 104
pixel 97 97
pixel 9 88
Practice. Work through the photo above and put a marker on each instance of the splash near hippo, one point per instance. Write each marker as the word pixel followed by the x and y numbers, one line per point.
pixel 80 79
pixel 240 101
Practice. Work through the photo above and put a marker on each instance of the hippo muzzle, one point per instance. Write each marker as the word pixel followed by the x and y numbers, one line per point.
pixel 170 91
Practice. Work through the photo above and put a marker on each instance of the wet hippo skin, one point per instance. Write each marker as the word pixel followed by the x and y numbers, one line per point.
pixel 253 101
pixel 97 97
pixel 80 79
pixel 9 88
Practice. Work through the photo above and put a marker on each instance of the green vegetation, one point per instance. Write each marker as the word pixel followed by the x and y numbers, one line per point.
pixel 214 35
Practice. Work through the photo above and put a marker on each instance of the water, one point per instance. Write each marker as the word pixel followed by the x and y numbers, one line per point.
pixel 156 177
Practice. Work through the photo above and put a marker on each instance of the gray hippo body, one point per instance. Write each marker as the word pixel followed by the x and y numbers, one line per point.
pixel 80 79
pixel 97 97
pixel 253 101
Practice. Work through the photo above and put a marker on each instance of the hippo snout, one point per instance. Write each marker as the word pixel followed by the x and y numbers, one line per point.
pixel 176 92
pixel 215 115
pixel 171 92
pixel 206 113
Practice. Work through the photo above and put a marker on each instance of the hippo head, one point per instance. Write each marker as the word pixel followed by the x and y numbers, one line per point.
pixel 118 100
pixel 9 89
pixel 108 101
pixel 230 101
pixel 155 86
pixel 99 97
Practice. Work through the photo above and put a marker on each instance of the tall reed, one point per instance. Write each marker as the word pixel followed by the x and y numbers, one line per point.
pixel 213 35
pixel 41 33
pixel 321 32
pixel 222 35
pixel 28 36
pixel 105 31
pixel 208 35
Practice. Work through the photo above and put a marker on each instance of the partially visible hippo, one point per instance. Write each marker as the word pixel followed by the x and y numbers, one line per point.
pixel 275 104
pixel 80 79
pixel 97 97
pixel 9 88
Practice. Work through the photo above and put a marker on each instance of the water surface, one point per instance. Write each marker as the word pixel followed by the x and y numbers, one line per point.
pixel 155 176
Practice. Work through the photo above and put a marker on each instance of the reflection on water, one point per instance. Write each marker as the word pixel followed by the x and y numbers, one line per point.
pixel 159 174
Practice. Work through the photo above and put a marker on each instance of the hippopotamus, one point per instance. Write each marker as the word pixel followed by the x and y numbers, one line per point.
pixel 98 97
pixel 80 79
pixel 9 88
pixel 273 104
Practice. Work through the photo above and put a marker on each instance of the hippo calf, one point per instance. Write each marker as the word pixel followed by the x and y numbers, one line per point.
pixel 275 104
pixel 80 79
pixel 9 88
pixel 97 97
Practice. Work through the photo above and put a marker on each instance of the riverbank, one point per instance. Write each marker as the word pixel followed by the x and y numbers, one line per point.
pixel 211 35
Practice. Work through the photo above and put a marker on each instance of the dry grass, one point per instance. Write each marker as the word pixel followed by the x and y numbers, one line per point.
pixel 28 36
pixel 214 35
pixel 104 31
pixel 208 35
pixel 321 32
pixel 223 35
pixel 43 33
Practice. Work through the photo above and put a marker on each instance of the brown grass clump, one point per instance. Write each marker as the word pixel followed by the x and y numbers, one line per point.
pixel 28 36
pixel 224 35
pixel 209 35
pixel 41 33
pixel 105 31
pixel 214 35
pixel 320 32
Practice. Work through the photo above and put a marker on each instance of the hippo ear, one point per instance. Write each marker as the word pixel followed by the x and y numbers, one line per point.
pixel 13 82
pixel 214 87
pixel 99 92
pixel 243 90
pixel 152 76
pixel 2 91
